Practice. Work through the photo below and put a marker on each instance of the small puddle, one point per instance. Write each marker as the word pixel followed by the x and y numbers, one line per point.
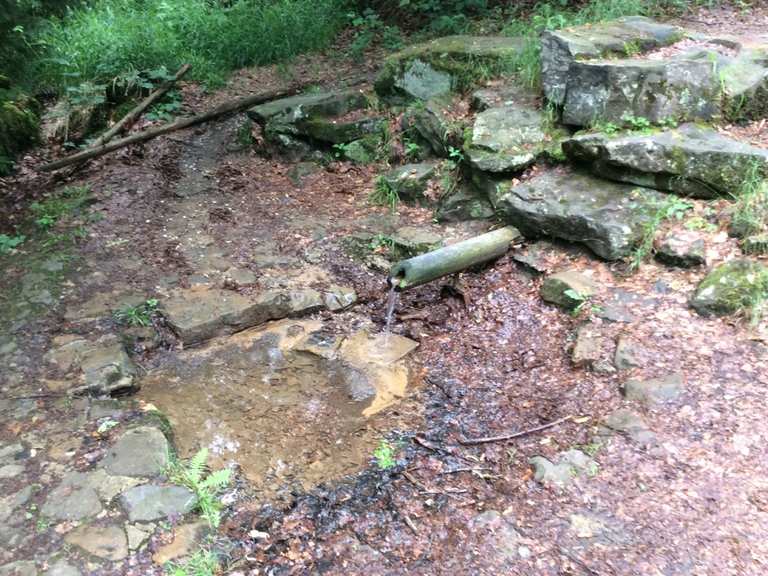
pixel 288 403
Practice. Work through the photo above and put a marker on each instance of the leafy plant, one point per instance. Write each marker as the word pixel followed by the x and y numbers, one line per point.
pixel 48 212
pixel 412 149
pixel 368 27
pixel 607 128
pixel 140 315
pixel 640 123
pixel 8 243
pixel 381 242
pixel 340 150
pixel 631 48
pixel 194 475
pixel 165 110
pixel 672 208
pixel 384 195
pixel 202 563
pixel 583 302
pixel 699 223
pixel 455 154
pixel 384 455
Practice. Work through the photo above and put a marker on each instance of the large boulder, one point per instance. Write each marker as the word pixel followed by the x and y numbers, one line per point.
pixel 507 139
pixel 608 217
pixel 732 286
pixel 601 73
pixel 618 91
pixel 560 49
pixel 689 160
pixel 444 65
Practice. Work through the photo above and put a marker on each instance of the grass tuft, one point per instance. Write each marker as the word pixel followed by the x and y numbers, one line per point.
pixel 750 212
pixel 384 195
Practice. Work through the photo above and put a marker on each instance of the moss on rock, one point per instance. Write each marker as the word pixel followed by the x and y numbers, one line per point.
pixel 19 127
pixel 731 287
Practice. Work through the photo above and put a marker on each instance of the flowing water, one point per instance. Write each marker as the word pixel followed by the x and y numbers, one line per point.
pixel 291 404
pixel 391 304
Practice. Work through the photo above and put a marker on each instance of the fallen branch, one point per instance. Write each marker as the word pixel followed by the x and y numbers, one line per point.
pixel 134 114
pixel 485 440
pixel 228 107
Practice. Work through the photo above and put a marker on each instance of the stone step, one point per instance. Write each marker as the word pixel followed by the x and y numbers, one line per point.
pixel 570 205
pixel 689 160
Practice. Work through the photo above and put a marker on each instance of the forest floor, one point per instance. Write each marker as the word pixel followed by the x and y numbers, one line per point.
pixel 684 493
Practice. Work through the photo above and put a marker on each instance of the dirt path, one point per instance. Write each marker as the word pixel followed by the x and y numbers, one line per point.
pixel 670 480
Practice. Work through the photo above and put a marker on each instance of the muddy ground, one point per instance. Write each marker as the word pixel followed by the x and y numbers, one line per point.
pixel 189 208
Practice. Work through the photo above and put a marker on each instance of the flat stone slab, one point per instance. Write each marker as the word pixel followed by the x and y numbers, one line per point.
pixel 410 181
pixel 688 160
pixel 152 502
pixel 562 48
pixel 624 421
pixel 507 139
pixel 588 346
pixel 107 542
pixel 139 452
pixel 464 203
pixel 616 91
pixel 62 568
pixel 654 390
pixel 607 217
pixel 73 499
pixel 429 70
pixel 568 289
pixel 414 240
pixel 198 314
pixel 303 106
pixel 108 369
pixel 564 469
pixel 600 73
pixel 685 249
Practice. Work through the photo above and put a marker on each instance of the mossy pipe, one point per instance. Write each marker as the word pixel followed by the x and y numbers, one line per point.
pixel 451 259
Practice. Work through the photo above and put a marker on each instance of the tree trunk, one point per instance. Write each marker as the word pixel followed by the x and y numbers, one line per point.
pixel 134 114
pixel 228 107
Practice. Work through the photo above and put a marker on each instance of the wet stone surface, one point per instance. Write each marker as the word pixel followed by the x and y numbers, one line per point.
pixel 284 402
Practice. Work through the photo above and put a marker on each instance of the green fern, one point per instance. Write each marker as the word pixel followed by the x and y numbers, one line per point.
pixel 192 474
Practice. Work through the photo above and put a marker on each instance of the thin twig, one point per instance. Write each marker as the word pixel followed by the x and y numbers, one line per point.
pixel 457 470
pixel 485 440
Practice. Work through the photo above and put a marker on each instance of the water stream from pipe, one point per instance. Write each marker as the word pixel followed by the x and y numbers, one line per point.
pixel 391 304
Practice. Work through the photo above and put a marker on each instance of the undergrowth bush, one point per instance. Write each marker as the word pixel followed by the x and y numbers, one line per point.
pixel 110 38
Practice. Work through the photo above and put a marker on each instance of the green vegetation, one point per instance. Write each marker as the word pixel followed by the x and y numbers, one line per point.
pixel 8 243
pixel 194 475
pixel 110 39
pixel 382 242
pixel 48 213
pixel 671 208
pixel 750 213
pixel 582 300
pixel 384 455
pixel 412 149
pixel 202 563
pixel 368 27
pixel 140 315
pixel 384 195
